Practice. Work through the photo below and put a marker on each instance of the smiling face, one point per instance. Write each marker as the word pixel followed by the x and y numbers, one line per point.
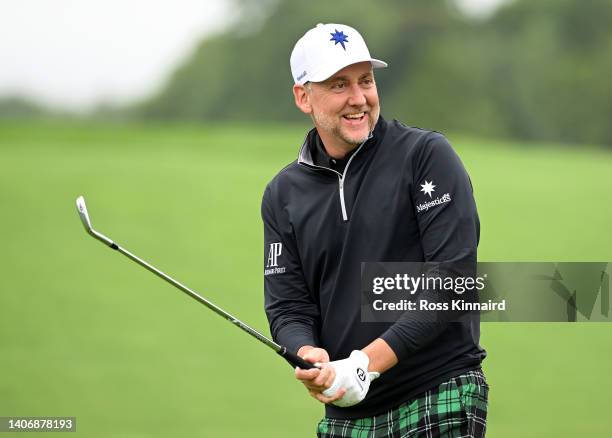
pixel 344 108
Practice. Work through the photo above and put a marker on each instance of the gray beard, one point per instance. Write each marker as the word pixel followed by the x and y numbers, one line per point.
pixel 337 132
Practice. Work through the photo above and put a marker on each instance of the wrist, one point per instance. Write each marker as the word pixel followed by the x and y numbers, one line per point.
pixel 381 356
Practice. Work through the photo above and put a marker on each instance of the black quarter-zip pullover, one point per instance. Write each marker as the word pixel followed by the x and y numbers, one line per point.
pixel 321 223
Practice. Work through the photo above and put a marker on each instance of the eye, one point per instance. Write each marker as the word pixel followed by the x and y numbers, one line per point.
pixel 338 86
pixel 367 81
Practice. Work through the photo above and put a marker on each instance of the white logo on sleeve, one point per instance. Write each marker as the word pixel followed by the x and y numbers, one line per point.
pixel 428 188
pixel 276 249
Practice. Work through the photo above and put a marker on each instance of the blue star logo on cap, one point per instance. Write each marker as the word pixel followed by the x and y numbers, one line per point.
pixel 339 37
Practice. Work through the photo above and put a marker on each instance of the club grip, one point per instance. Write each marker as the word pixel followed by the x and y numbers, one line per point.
pixel 295 360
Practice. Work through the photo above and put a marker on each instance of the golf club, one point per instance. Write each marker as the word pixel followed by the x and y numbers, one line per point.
pixel 293 358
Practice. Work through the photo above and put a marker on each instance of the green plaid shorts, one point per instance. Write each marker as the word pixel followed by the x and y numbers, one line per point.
pixel 456 408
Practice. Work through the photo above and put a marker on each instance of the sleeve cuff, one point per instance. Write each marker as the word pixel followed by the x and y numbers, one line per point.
pixel 396 343
pixel 294 336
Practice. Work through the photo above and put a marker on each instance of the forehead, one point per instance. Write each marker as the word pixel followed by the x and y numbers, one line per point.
pixel 352 71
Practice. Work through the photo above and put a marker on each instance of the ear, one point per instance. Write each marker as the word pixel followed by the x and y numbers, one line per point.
pixel 302 98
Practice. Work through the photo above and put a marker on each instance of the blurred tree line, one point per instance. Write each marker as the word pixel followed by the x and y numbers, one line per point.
pixel 533 70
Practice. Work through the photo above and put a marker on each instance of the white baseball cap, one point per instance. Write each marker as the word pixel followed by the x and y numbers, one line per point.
pixel 326 49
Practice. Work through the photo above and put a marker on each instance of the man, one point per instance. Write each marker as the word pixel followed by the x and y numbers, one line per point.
pixel 352 197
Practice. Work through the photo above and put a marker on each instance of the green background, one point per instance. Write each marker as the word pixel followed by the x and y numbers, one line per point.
pixel 84 332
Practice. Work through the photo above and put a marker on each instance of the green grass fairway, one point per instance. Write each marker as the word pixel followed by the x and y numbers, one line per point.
pixel 84 332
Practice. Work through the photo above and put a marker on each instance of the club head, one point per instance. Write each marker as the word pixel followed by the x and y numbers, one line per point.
pixel 82 209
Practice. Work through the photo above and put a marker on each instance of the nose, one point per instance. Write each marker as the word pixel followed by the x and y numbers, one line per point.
pixel 357 96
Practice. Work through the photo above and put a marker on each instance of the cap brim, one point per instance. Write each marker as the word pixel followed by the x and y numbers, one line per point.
pixel 377 63
pixel 326 74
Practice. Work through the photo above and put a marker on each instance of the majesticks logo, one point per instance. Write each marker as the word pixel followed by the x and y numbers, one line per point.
pixel 339 37
pixel 428 188
pixel 438 201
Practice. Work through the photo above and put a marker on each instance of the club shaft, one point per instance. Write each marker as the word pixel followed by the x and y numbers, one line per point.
pixel 273 345
pixel 281 350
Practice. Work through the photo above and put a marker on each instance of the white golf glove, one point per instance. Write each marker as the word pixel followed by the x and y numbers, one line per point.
pixel 351 374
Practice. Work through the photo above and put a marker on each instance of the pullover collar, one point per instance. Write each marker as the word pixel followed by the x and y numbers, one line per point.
pixel 312 151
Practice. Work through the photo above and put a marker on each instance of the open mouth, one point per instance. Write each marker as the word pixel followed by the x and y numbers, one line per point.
pixel 354 118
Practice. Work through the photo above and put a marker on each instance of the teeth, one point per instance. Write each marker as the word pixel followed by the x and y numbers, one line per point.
pixel 354 116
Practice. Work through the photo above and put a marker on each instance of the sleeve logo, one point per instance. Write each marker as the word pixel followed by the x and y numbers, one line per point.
pixel 428 188
pixel 276 249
